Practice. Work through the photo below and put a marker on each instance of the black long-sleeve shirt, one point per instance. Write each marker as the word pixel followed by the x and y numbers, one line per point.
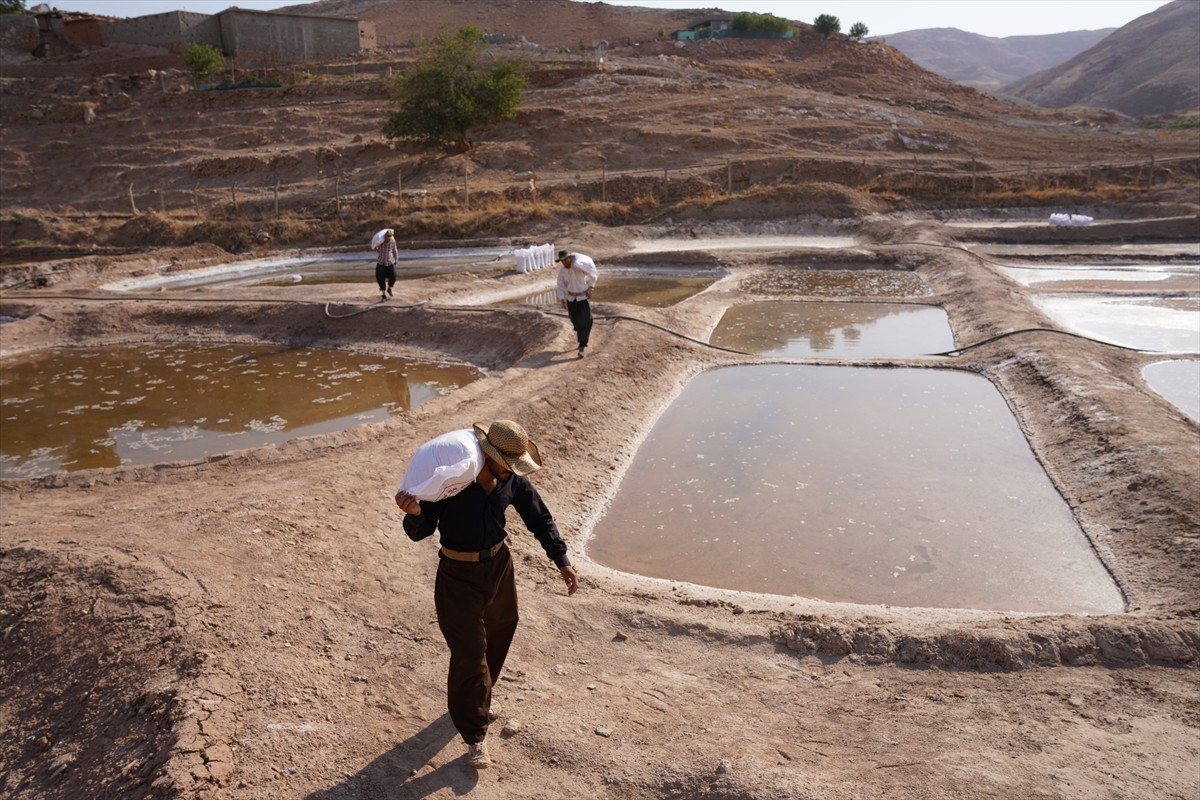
pixel 474 520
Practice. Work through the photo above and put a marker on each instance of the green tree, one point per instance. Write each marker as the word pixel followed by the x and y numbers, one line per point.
pixel 203 60
pixel 827 25
pixel 748 21
pixel 450 90
pixel 12 7
pixel 858 31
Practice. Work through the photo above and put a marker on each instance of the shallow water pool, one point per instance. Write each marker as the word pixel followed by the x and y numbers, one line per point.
pixel 83 408
pixel 908 487
pixel 1178 382
pixel 834 330
pixel 645 288
pixel 1154 324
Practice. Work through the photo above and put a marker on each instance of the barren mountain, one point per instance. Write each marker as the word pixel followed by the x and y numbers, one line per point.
pixel 987 62
pixel 1150 66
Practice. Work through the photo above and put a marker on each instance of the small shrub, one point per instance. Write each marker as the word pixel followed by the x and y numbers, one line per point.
pixel 203 60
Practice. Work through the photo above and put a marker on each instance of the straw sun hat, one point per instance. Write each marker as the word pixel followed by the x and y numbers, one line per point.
pixel 506 442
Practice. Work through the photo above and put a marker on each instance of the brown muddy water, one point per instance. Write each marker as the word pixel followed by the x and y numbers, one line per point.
pixel 906 487
pixel 638 288
pixel 82 408
pixel 834 330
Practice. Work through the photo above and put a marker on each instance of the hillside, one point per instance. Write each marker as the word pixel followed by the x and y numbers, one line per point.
pixel 716 114
pixel 1150 66
pixel 987 62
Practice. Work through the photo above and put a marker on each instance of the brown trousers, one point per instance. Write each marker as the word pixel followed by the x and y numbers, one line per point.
pixel 477 611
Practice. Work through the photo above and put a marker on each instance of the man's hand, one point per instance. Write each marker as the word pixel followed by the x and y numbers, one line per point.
pixel 570 578
pixel 408 504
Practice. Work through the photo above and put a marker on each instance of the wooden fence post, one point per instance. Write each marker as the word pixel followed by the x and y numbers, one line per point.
pixel 973 176
pixel 914 177
pixel 196 199
pixel 1088 183
pixel 277 198
pixel 1150 173
pixel 466 190
pixel 233 194
pixel 604 181
pixel 728 176
pixel 132 204
pixel 666 185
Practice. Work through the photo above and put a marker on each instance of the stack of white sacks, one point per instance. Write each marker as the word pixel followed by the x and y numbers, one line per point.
pixel 534 257
pixel 1070 219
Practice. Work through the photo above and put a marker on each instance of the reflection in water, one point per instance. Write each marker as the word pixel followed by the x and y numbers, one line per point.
pixel 78 409
pixel 901 486
pixel 1156 324
pixel 646 289
pixel 1178 382
pixel 834 330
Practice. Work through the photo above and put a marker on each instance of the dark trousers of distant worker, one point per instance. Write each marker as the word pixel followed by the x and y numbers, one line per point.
pixel 580 312
pixel 385 276
pixel 476 604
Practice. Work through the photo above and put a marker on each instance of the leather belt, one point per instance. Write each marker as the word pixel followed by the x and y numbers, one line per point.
pixel 473 555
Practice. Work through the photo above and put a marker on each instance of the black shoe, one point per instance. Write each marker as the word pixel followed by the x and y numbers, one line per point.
pixel 580 353
pixel 389 291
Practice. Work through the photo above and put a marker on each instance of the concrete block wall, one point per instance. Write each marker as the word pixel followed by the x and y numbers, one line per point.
pixel 290 37
pixel 169 29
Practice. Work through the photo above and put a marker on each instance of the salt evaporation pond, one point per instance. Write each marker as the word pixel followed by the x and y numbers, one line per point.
pixel 1160 278
pixel 834 330
pixel 326 268
pixel 82 408
pixel 905 487
pixel 1178 382
pixel 743 243
pixel 1154 324
pixel 646 288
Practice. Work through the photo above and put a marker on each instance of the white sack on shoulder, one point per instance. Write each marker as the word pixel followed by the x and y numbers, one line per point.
pixel 377 239
pixel 444 466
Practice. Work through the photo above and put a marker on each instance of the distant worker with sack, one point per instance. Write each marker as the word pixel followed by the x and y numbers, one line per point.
pixel 575 282
pixel 385 265
pixel 474 592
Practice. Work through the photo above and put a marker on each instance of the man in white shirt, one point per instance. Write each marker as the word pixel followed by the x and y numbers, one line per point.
pixel 575 282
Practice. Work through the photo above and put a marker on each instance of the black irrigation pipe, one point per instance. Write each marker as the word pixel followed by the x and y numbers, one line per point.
pixel 627 318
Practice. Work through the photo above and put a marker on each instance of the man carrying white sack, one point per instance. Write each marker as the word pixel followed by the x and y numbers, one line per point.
pixel 574 287
pixel 474 592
